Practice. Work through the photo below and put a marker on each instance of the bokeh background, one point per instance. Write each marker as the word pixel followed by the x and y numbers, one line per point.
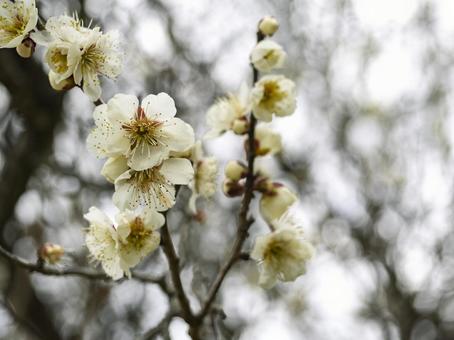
pixel 369 150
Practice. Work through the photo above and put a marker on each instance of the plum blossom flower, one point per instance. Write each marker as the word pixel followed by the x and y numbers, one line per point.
pixel 282 254
pixel 223 114
pixel 267 56
pixel 17 20
pixel 123 246
pixel 153 187
pixel 81 53
pixel 276 201
pixel 144 134
pixel 273 94
pixel 205 175
pixel 268 142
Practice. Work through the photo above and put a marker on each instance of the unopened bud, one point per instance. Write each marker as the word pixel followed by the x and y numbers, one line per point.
pixel 235 170
pixel 240 126
pixel 63 85
pixel 268 25
pixel 232 188
pixel 51 253
pixel 26 48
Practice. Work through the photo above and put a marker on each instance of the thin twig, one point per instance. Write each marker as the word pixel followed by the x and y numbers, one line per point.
pixel 160 327
pixel 35 267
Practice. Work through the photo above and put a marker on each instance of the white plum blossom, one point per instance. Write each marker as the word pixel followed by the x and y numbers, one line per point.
pixel 223 114
pixel 268 25
pixel 273 94
pixel 138 236
pixel 102 241
pixel 80 52
pixel 123 246
pixel 205 175
pixel 282 254
pixel 144 134
pixel 153 187
pixel 268 55
pixel 268 142
pixel 275 202
pixel 17 20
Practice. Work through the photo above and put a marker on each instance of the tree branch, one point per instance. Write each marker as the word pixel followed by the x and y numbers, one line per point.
pixel 81 272
pixel 174 268
pixel 244 222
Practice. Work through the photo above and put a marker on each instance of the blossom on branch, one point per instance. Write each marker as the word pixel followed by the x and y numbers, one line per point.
pixel 17 20
pixel 282 254
pixel 228 112
pixel 153 188
pixel 123 246
pixel 275 201
pixel 267 56
pixel 144 134
pixel 80 53
pixel 273 94
pixel 268 142
pixel 205 175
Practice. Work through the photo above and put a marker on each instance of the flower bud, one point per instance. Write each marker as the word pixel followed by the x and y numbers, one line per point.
pixel 268 25
pixel 275 203
pixel 268 142
pixel 51 253
pixel 240 126
pixel 235 170
pixel 26 48
pixel 64 85
pixel 232 188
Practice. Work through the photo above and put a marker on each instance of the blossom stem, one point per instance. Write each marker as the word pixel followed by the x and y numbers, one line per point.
pixel 244 222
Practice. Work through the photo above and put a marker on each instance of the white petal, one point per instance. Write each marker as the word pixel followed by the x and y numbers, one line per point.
pixel 146 156
pixel 96 216
pixel 160 107
pixel 177 135
pixel 153 218
pixel 114 167
pixel 122 107
pixel 177 170
pixel 91 85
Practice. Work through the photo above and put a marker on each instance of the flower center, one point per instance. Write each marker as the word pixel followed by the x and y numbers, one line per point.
pixel 145 178
pixel 59 60
pixel 143 130
pixel 138 235
pixel 93 58
pixel 271 93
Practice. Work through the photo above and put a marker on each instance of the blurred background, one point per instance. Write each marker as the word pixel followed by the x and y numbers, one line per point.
pixel 369 150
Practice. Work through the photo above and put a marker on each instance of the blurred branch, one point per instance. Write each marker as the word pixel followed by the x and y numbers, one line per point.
pixel 161 327
pixel 38 267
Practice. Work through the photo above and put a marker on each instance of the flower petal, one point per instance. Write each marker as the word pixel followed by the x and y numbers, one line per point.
pixel 177 170
pixel 160 106
pixel 177 135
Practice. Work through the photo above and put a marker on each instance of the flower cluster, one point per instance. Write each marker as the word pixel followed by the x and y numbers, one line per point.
pixel 149 152
pixel 76 55
pixel 283 253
